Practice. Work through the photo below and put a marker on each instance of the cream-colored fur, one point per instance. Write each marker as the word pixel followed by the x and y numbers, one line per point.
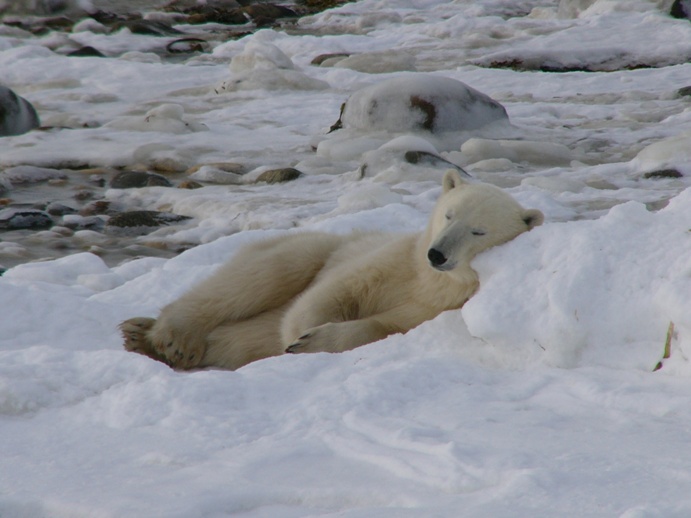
pixel 312 292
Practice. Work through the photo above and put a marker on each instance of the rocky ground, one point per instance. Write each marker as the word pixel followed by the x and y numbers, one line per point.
pixel 48 212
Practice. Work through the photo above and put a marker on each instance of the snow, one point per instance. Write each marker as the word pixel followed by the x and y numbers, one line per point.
pixel 538 398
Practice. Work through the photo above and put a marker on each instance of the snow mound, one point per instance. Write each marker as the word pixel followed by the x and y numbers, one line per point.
pixel 262 65
pixel 541 153
pixel 575 302
pixel 166 118
pixel 673 152
pixel 406 158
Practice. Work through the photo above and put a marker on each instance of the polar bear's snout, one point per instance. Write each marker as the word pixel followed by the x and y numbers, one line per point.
pixel 436 258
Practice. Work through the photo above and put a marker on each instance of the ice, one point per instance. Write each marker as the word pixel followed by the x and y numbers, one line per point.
pixel 538 398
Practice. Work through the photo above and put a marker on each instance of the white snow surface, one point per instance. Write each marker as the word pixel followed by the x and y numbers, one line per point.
pixel 538 398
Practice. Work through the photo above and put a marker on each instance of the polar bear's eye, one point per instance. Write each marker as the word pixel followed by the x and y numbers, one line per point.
pixel 448 215
pixel 478 232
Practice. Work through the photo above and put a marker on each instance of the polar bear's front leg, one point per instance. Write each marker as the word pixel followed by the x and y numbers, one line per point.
pixel 336 337
pixel 346 335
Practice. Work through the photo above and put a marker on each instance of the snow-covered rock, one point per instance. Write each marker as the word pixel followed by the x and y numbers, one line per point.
pixel 420 102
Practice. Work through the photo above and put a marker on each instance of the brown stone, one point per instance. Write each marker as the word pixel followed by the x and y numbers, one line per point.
pixel 190 184
pixel 285 174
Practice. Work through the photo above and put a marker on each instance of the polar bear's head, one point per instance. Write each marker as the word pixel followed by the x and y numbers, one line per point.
pixel 470 218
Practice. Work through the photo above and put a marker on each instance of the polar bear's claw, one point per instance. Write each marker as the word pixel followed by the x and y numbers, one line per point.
pixel 135 332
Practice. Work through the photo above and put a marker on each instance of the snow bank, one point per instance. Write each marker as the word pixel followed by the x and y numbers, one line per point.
pixel 590 292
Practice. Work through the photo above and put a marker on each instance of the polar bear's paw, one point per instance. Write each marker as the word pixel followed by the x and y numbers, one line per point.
pixel 182 345
pixel 135 332
pixel 324 338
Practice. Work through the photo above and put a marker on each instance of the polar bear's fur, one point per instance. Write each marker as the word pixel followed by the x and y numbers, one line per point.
pixel 311 292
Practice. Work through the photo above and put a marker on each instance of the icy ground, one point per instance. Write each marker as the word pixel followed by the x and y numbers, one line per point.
pixel 538 398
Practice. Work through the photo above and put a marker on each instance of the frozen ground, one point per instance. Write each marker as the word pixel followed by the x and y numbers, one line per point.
pixel 538 398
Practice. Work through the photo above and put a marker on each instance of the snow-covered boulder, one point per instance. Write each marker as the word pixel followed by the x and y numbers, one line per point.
pixel 673 152
pixel 420 102
pixel 262 65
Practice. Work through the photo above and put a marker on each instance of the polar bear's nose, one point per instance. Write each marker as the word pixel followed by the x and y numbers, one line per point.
pixel 436 258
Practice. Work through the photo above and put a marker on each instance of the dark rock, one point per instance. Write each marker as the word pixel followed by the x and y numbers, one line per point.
pixel 134 179
pixel 189 184
pixel 285 174
pixel 59 209
pixel 267 14
pixel 139 222
pixel 99 207
pixel 231 12
pixel 57 23
pixel 107 18
pixel 17 115
pixel 339 123
pixel 684 91
pixel 426 158
pixel 16 219
pixel 94 223
pixel 317 6
pixel 427 108
pixel 681 9
pixel 83 195
pixel 87 52
pixel 323 57
pixel 204 13
pixel 186 5
pixel 97 180
pixel 663 173
pixel 151 28
pixel 187 46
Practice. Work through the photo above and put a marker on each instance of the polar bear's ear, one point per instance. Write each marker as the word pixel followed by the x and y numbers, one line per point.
pixel 533 218
pixel 452 179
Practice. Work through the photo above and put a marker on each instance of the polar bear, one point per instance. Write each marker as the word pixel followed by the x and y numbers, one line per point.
pixel 312 292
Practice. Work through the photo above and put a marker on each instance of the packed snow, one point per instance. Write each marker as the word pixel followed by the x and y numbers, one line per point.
pixel 561 389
